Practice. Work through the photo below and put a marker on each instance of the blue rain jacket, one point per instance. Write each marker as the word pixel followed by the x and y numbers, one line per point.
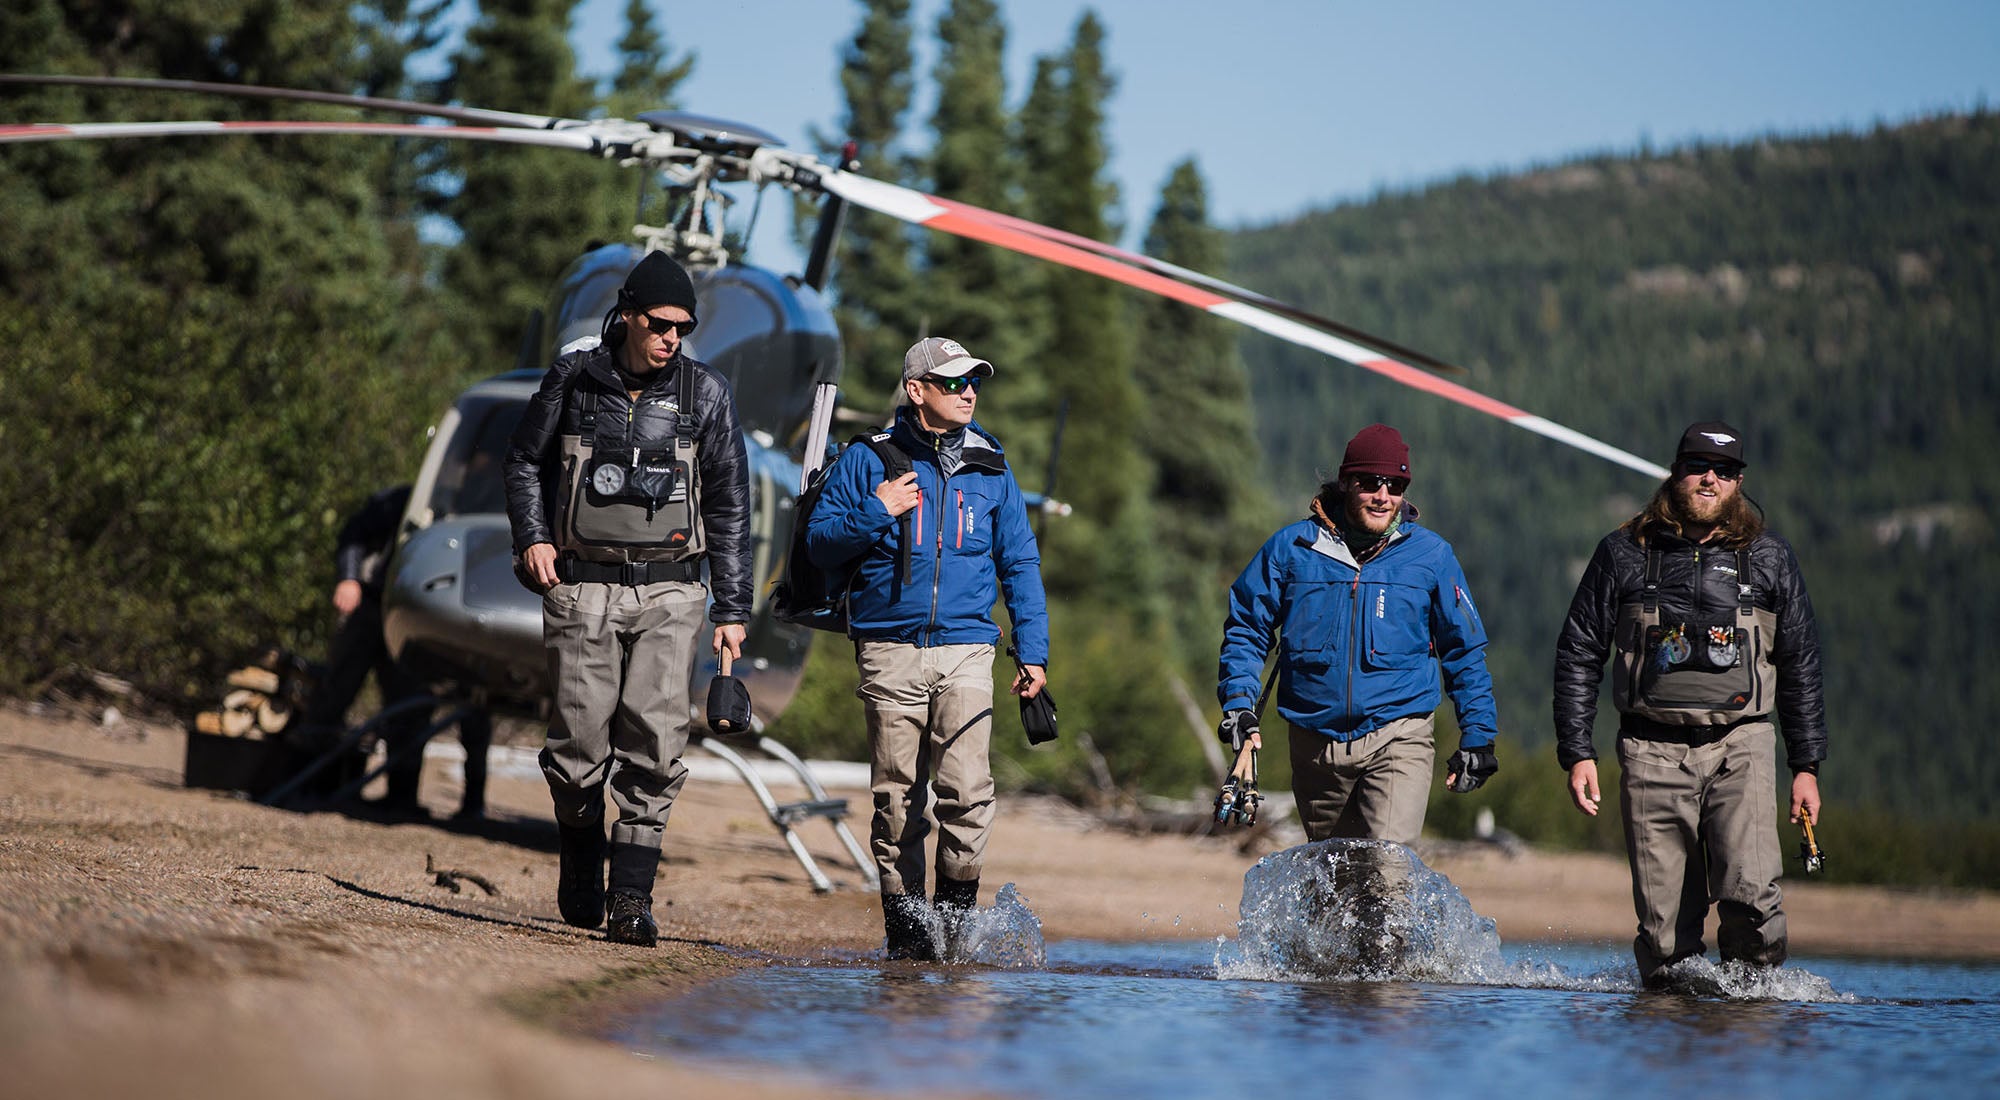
pixel 972 543
pixel 1362 645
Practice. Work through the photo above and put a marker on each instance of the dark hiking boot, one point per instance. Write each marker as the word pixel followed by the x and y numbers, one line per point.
pixel 909 934
pixel 580 882
pixel 955 899
pixel 629 919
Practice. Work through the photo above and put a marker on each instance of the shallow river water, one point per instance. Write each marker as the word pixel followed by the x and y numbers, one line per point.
pixel 1314 998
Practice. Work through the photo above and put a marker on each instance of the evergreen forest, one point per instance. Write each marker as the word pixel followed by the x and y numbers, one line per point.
pixel 219 346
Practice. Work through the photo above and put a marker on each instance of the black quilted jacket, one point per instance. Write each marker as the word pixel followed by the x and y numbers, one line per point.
pixel 534 459
pixel 1695 581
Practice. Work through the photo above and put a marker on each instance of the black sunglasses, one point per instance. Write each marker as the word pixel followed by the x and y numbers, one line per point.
pixel 954 385
pixel 1724 471
pixel 660 326
pixel 1368 483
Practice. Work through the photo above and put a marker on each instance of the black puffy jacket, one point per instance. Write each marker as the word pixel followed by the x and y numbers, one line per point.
pixel 534 456
pixel 1695 581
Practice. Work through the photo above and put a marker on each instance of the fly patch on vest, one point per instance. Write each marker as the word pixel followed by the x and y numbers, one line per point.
pixel 1713 669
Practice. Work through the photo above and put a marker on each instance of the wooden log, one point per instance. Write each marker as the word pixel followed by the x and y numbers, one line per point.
pixel 255 679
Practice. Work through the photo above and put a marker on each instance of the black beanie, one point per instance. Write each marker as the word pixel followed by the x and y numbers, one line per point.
pixel 657 281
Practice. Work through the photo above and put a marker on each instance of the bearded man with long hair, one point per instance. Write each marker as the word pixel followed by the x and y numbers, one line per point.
pixel 1706 622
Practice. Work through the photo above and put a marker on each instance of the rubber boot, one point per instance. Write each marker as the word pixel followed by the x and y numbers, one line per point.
pixel 955 899
pixel 580 881
pixel 629 912
pixel 909 936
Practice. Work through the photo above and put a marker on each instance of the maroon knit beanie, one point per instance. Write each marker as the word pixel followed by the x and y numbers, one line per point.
pixel 1376 449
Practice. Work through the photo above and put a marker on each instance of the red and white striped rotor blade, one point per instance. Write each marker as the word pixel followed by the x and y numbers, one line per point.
pixel 57 131
pixel 1219 286
pixel 479 115
pixel 975 223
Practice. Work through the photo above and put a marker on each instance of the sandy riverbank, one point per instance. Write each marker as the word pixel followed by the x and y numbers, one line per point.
pixel 164 942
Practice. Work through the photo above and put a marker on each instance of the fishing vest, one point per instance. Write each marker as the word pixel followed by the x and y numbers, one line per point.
pixel 1713 671
pixel 632 504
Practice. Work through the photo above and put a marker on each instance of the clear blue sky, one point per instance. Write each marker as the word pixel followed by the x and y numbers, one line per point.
pixel 1293 104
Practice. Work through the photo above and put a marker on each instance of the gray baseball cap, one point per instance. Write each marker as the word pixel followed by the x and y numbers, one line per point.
pixel 943 358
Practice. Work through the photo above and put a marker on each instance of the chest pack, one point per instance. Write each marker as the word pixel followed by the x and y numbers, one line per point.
pixel 631 504
pixel 1712 670
pixel 815 597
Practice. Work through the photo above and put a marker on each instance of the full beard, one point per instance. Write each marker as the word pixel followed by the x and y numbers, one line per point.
pixel 1698 510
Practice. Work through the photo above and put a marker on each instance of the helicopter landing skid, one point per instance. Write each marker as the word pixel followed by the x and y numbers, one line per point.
pixel 785 815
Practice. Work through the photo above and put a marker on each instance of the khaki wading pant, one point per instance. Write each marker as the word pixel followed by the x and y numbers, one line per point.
pixel 1699 826
pixel 620 657
pixel 1373 787
pixel 930 710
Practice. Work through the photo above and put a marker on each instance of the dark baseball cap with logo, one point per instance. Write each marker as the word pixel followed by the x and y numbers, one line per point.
pixel 1711 439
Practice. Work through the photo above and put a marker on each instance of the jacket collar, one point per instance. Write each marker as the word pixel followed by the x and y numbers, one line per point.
pixel 979 449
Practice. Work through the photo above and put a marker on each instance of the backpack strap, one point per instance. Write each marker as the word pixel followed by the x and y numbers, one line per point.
pixel 895 463
pixel 1651 598
pixel 1746 605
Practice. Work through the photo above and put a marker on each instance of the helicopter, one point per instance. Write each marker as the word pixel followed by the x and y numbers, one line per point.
pixel 453 608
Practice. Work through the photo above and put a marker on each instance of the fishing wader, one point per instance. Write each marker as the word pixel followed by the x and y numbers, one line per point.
pixel 1698 826
pixel 930 717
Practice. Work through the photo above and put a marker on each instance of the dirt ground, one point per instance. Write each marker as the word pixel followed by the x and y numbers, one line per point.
pixel 167 942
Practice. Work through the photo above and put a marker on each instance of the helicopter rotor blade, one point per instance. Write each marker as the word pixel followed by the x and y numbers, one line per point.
pixel 975 223
pixel 53 131
pixel 1226 289
pixel 477 115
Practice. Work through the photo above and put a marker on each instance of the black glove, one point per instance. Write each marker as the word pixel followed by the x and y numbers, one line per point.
pixel 1472 767
pixel 1237 727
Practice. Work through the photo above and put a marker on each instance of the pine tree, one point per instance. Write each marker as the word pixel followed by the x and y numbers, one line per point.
pixel 523 214
pixel 1089 361
pixel 1196 429
pixel 233 304
pixel 972 292
pixel 873 277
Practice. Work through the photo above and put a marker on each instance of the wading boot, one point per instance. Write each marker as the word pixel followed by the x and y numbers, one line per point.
pixel 629 915
pixel 954 900
pixel 580 882
pixel 909 935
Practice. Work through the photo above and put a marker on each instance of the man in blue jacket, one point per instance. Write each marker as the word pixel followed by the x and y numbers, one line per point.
pixel 1370 606
pixel 931 551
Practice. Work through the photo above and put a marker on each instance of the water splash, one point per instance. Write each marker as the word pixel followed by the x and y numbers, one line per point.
pixel 1007 934
pixel 1741 981
pixel 1370 910
pixel 1357 910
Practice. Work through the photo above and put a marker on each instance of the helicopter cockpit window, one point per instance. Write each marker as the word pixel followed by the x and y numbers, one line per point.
pixel 469 482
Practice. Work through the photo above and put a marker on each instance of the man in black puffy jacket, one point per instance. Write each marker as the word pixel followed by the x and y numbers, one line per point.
pixel 1706 621
pixel 626 475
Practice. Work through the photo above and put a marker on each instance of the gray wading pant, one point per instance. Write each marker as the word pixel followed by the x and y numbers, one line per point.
pixel 930 710
pixel 1699 826
pixel 1374 787
pixel 620 657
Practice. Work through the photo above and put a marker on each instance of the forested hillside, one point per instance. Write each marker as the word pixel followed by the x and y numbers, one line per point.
pixel 1832 297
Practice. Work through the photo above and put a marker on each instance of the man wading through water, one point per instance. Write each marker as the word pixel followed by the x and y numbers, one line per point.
pixel 1705 618
pixel 1371 606
pixel 920 610
pixel 626 474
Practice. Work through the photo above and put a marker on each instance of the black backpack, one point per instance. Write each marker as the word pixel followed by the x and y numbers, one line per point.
pixel 815 597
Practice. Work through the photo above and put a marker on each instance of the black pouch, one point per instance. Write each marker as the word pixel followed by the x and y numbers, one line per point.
pixel 1038 717
pixel 728 702
pixel 647 478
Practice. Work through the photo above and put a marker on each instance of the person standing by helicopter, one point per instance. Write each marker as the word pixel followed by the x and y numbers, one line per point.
pixel 626 474
pixel 360 557
pixel 921 614
pixel 1706 621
